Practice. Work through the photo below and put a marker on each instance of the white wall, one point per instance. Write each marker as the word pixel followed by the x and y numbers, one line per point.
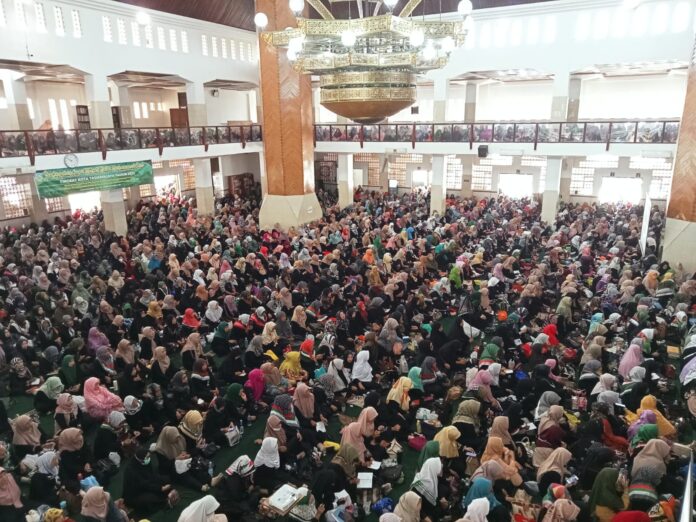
pixel 227 106
pixel 633 97
pixel 513 101
pixel 168 99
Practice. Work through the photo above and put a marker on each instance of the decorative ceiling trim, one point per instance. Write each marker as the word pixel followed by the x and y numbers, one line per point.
pixel 409 8
pixel 320 8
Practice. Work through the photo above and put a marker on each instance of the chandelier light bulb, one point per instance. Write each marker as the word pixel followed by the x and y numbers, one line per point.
pixel 448 44
pixel 417 38
pixel 142 18
pixel 261 20
pixel 296 6
pixel 391 4
pixel 295 44
pixel 292 55
pixel 465 7
pixel 348 38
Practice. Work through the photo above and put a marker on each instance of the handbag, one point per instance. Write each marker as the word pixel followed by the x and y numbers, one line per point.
pixel 391 473
pixel 417 442
pixel 233 435
pixel 209 450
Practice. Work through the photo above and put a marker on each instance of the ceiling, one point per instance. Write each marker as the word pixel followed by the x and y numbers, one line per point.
pixel 43 72
pixel 240 13
pixel 149 80
pixel 633 69
pixel 511 75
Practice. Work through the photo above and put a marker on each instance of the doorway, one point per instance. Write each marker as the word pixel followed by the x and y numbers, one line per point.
pixel 516 185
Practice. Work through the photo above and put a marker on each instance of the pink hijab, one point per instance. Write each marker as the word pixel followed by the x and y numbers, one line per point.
pixel 9 490
pixel 99 401
pixel 96 339
pixel 256 383
pixel 353 436
pixel 632 358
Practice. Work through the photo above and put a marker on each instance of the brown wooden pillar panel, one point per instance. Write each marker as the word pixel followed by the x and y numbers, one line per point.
pixel 288 122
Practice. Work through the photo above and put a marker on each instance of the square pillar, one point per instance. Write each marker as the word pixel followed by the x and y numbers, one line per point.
pixel 440 88
pixel 114 210
pixel 574 88
pixel 97 91
pixel 344 177
pixel 552 188
pixel 122 100
pixel 205 194
pixel 195 104
pixel 438 193
pixel 470 102
pixel 559 102
pixel 16 97
pixel 467 167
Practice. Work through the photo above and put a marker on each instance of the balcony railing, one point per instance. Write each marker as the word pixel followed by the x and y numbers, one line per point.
pixel 605 132
pixel 47 142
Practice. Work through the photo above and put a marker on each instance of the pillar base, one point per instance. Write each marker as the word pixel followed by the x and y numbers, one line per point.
pixel 205 201
pixel 288 211
pixel 549 206
pixel 437 199
pixel 680 236
pixel 345 194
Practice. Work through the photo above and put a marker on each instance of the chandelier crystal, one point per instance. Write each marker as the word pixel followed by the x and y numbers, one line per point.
pixel 368 66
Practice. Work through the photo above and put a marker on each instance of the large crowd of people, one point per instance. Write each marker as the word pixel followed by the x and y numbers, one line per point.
pixel 531 371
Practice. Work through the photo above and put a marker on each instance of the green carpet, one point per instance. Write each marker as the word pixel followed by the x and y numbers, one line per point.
pixel 223 458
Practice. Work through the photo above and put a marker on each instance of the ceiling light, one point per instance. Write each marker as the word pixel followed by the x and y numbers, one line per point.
pixel 296 6
pixel 448 44
pixel 142 18
pixel 429 52
pixel 391 4
pixel 465 7
pixel 261 20
pixel 348 38
pixel 417 38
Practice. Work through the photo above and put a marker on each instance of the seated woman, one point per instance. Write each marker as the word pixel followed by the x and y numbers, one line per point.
pixel 254 388
pixel 236 492
pixel 174 462
pixel 307 413
pixel 202 381
pixel 75 459
pixel 27 438
pixel 291 368
pixel 67 414
pixel 275 383
pixel 68 373
pixel 589 377
pixel 11 507
pixel 268 474
pixel 553 469
pixel 161 370
pixel 100 402
pixel 426 485
pixel 217 422
pixel 21 378
pixel 447 438
pixel 97 506
pixel 43 486
pixel 551 433
pixel 482 488
pixel 409 507
pixel 46 396
pixel 398 413
pixel 497 452
pixel 111 436
pixel 221 343
pixel 145 491
pixel 361 376
pixel 467 420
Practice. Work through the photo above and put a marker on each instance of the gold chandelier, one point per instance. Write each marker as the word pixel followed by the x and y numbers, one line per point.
pixel 368 65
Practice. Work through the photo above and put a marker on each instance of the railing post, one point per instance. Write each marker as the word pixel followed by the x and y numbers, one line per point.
pixel 2 142
pixel 471 135
pixel 30 148
pixel 205 139
pixel 536 135
pixel 413 136
pixel 101 142
pixel 314 137
pixel 158 137
pixel 609 136
pixel 361 134
pixel 243 138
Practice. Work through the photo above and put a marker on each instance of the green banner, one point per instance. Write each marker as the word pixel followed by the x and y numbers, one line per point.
pixel 61 182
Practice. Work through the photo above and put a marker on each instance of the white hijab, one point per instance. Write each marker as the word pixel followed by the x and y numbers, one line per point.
pixel 336 371
pixel 268 454
pixel 427 478
pixel 362 371
pixel 214 311
pixel 477 510
pixel 201 510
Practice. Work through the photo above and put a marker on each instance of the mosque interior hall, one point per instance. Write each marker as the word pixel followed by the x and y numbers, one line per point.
pixel 347 260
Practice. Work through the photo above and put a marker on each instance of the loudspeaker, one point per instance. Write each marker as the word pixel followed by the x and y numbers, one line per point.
pixel 483 151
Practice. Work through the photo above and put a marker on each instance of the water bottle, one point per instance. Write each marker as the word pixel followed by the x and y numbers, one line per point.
pixel 241 427
pixel 210 468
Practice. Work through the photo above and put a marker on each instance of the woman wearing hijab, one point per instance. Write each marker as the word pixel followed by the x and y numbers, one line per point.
pixel 67 414
pixel 482 489
pixel 553 469
pixel 409 507
pixel 99 401
pixel 426 485
pixel 27 438
pixel 649 403
pixel 340 376
pixel 111 436
pixel 145 491
pixel 607 496
pixel 202 510
pixel 161 369
pixel 97 506
pixel 345 466
pixel 268 474
pixel 254 356
pixel 68 373
pixel 634 388
pixel 497 452
pixel 43 486
pixel 550 433
pixel 632 358
pixel 430 450
pixel 291 367
pixel 362 372
pixel 480 389
pixel 174 462
pixel 589 376
pixel 11 506
pixel 47 395
pixel 654 455
pixel 478 511
pixel 467 420
pixel 74 458
pixel 355 433
pixel 547 400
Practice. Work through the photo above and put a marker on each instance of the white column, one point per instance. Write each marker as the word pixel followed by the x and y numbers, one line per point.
pixel 438 193
pixel 195 104
pixel 97 92
pixel 205 195
pixel 440 88
pixel 559 102
pixel 122 100
pixel 16 98
pixel 344 177
pixel 262 175
pixel 552 187
pixel 470 102
pixel 114 210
